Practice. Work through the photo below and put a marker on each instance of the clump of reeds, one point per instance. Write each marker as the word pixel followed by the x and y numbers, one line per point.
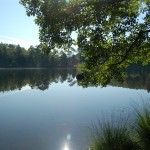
pixel 142 125
pixel 115 139
pixel 113 135
pixel 123 134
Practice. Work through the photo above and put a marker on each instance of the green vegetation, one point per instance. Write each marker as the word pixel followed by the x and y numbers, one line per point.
pixel 137 77
pixel 14 56
pixel 111 34
pixel 114 138
pixel 116 135
pixel 143 126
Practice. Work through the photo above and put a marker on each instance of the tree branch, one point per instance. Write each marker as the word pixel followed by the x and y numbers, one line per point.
pixel 103 2
pixel 131 46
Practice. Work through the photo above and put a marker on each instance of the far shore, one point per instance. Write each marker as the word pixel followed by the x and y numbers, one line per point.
pixel 32 68
pixel 20 68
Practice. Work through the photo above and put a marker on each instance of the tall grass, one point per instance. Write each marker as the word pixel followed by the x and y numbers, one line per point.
pixel 122 135
pixel 113 138
pixel 142 125
pixel 113 134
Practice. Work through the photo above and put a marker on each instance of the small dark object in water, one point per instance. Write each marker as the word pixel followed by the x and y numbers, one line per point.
pixel 80 76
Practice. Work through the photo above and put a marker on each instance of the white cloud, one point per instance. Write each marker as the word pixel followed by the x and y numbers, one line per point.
pixel 23 43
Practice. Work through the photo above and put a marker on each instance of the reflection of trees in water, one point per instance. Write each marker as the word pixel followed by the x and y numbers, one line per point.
pixel 35 78
pixel 139 82
pixel 137 78
pixel 135 81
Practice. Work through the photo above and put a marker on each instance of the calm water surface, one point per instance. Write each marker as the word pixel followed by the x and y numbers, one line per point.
pixel 48 110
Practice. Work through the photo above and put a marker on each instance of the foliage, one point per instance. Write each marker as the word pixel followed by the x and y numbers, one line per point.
pixel 14 56
pixel 111 34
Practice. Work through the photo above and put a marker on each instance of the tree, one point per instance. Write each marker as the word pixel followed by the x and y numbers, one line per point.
pixel 63 59
pixel 110 33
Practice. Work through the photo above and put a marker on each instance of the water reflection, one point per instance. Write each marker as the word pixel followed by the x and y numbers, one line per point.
pixel 53 115
pixel 15 79
pixel 66 147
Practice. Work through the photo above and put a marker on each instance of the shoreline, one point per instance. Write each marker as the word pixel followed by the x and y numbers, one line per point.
pixel 20 68
pixel 31 68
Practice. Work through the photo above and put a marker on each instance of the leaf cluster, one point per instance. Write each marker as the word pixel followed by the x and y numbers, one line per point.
pixel 111 34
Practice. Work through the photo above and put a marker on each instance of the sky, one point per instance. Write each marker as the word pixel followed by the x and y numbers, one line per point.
pixel 15 26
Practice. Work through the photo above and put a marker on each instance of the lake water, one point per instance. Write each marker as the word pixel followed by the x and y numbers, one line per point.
pixel 48 110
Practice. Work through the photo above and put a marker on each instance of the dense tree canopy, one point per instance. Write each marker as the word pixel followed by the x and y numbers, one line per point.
pixel 14 56
pixel 111 34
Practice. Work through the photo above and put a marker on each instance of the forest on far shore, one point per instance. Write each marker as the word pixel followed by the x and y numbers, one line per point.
pixel 14 56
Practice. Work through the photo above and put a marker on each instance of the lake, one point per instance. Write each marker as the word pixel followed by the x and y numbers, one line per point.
pixel 49 110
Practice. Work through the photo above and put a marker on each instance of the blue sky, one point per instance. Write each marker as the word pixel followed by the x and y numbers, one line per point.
pixel 15 26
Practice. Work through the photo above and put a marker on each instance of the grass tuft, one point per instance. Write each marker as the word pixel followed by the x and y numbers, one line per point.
pixel 119 134
pixel 143 125
pixel 113 136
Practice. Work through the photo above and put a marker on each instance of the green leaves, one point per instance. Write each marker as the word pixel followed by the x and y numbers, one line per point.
pixel 110 34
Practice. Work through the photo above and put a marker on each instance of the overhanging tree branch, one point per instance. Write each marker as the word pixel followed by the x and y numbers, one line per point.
pixel 141 32
pixel 102 2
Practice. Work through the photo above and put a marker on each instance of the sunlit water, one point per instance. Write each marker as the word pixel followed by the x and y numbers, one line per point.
pixel 58 118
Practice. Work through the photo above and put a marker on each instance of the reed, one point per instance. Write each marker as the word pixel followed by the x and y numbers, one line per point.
pixel 108 135
pixel 119 134
pixel 142 125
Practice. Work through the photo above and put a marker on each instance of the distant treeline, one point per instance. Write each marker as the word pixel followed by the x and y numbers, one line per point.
pixel 14 56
